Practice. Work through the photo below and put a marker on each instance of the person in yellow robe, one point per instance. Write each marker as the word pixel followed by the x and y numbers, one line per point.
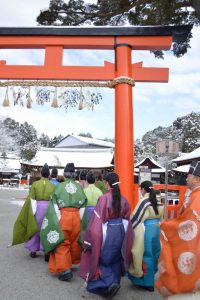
pixel 146 247
pixel 92 193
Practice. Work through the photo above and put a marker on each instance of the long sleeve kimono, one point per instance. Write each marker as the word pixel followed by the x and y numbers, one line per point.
pixel 51 232
pixel 26 224
pixel 146 246
pixel 99 263
pixel 179 262
pixel 62 235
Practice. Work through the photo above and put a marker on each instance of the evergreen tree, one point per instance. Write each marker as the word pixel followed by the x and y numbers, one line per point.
pixel 123 12
pixel 44 140
pixel 189 129
pixel 11 125
pixel 27 140
pixel 184 130
pixel 55 140
pixel 109 140
pixel 8 131
pixel 88 134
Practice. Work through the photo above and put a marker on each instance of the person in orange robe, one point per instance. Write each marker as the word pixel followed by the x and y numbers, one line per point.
pixel 178 274
pixel 70 197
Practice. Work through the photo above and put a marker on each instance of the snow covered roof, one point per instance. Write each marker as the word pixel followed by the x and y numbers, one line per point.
pixel 161 170
pixel 182 169
pixel 153 161
pixel 9 165
pixel 77 140
pixel 82 158
pixel 195 154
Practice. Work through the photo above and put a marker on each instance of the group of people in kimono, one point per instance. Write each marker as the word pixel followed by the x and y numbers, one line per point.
pixel 75 223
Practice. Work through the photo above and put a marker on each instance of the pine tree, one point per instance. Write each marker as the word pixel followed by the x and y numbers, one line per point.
pixel 8 131
pixel 27 139
pixel 44 140
pixel 55 140
pixel 189 128
pixel 123 12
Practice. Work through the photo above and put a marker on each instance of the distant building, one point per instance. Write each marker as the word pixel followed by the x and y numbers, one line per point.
pixel 80 142
pixel 82 158
pixel 186 158
pixel 167 147
pixel 84 152
pixel 9 167
pixel 157 171
pixel 183 163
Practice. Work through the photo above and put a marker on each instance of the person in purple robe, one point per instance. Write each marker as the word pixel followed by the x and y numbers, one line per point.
pixel 39 196
pixel 107 242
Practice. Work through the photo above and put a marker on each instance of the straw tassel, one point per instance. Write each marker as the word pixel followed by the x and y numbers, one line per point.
pixel 88 100
pixel 55 100
pixel 28 98
pixel 14 95
pixel 80 107
pixel 6 100
pixel 37 95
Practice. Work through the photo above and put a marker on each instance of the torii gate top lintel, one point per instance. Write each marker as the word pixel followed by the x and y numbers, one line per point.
pixel 179 33
pixel 55 39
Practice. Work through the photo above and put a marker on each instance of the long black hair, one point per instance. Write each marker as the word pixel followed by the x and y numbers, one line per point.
pixel 148 187
pixel 113 180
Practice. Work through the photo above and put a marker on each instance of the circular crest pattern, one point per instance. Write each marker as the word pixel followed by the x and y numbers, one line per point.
pixel 187 230
pixel 71 188
pixel 52 236
pixel 187 263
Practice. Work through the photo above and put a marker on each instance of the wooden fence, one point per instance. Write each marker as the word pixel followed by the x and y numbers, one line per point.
pixel 176 202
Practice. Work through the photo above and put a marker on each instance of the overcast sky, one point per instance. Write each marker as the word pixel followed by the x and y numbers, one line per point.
pixel 155 104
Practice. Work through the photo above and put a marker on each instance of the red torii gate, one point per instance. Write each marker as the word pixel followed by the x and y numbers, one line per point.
pixel 120 39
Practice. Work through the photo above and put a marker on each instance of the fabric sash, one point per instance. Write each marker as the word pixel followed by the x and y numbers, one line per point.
pixel 136 219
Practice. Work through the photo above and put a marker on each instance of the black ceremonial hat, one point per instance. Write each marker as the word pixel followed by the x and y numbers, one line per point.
pixel 45 172
pixel 69 168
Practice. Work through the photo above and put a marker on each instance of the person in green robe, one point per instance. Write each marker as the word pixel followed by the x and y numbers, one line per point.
pixel 99 183
pixel 63 245
pixel 92 193
pixel 28 224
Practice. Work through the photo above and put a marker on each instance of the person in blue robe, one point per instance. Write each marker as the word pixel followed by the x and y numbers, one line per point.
pixel 53 178
pixel 107 242
pixel 146 247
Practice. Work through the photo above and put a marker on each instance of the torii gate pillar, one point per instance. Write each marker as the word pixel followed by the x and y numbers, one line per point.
pixel 124 122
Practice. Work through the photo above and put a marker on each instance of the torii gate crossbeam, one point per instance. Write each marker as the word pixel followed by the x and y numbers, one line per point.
pixel 122 40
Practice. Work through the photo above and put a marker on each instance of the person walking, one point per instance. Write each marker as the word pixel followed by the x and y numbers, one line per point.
pixel 69 197
pixel 179 265
pixel 82 178
pixel 92 193
pixel 146 247
pixel 28 224
pixel 53 177
pixel 107 242
pixel 99 182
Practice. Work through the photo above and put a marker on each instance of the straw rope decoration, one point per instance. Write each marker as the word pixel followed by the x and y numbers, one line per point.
pixel 109 84
pixel 70 98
